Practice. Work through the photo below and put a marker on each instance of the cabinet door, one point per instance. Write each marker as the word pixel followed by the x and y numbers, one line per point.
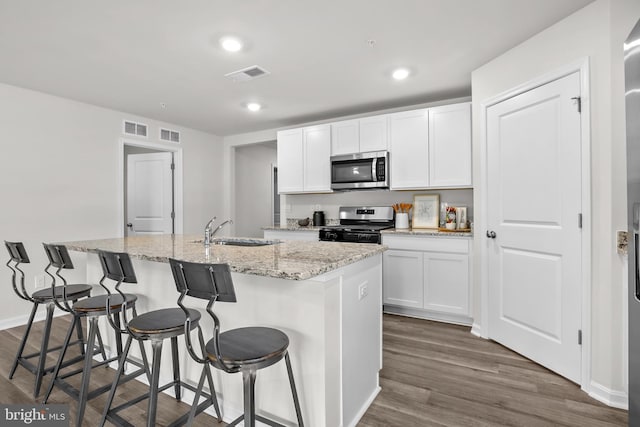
pixel 450 146
pixel 374 134
pixel 317 158
pixel 446 283
pixel 402 278
pixel 345 137
pixel 290 161
pixel 409 154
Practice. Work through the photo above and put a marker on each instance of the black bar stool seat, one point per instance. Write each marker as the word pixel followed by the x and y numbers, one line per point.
pixel 73 292
pixel 99 303
pixel 250 346
pixel 164 321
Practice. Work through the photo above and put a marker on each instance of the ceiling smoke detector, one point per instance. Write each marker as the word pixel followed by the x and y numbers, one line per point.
pixel 247 74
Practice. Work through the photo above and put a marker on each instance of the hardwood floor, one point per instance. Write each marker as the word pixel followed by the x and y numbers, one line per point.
pixel 434 374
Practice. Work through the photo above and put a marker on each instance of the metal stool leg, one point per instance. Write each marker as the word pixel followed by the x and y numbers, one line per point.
pixel 86 373
pixel 249 383
pixel 24 340
pixel 43 349
pixel 176 367
pixel 296 402
pixel 212 388
pixel 80 335
pixel 63 351
pixel 155 378
pixel 116 380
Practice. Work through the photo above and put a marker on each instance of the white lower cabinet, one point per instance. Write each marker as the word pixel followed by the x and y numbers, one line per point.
pixel 427 277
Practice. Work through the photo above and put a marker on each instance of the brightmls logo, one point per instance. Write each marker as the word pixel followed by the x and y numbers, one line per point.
pixel 34 415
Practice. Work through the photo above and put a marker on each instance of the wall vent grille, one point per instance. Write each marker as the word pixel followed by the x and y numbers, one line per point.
pixel 133 128
pixel 169 135
pixel 247 74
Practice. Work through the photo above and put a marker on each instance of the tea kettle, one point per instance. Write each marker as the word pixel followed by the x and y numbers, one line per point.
pixel 318 218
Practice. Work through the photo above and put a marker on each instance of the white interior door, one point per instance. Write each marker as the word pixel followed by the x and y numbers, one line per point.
pixel 534 202
pixel 149 194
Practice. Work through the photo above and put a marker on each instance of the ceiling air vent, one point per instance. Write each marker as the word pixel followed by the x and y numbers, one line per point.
pixel 247 74
pixel 169 135
pixel 133 128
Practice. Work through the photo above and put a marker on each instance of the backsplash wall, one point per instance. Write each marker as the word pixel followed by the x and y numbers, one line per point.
pixel 303 205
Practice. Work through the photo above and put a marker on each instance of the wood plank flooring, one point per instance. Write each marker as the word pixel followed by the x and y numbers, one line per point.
pixel 434 374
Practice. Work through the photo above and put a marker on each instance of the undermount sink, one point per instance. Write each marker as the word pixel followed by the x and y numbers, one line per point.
pixel 244 242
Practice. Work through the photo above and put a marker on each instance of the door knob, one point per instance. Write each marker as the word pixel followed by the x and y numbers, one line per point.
pixel 129 225
pixel 491 234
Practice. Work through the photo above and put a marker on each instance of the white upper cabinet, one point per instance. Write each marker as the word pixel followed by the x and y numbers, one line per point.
pixel 290 158
pixel 345 137
pixel 317 159
pixel 450 146
pixel 359 135
pixel 374 135
pixel 409 149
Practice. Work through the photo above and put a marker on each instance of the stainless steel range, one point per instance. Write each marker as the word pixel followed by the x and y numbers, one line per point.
pixel 359 224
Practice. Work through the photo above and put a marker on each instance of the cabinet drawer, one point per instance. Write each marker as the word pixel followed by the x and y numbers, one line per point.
pixel 431 244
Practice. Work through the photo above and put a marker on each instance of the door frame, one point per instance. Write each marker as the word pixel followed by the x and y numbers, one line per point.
pixel 177 181
pixel 581 66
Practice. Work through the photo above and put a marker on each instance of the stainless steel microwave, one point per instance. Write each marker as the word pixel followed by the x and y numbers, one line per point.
pixel 360 171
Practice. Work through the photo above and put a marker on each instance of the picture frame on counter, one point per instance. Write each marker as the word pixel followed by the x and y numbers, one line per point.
pixel 426 211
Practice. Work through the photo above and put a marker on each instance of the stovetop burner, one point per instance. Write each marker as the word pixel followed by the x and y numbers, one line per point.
pixel 359 224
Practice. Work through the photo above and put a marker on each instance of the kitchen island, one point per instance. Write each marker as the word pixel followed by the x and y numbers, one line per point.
pixel 326 296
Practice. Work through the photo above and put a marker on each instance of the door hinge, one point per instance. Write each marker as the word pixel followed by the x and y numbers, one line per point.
pixel 579 336
pixel 579 220
pixel 578 101
pixel 173 166
pixel 173 215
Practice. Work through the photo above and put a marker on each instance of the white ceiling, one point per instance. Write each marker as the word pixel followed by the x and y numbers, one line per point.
pixel 134 55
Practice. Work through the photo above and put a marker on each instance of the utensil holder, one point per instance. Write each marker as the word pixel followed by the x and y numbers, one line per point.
pixel 402 220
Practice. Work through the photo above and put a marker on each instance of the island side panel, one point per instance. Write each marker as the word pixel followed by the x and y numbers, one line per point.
pixel 361 337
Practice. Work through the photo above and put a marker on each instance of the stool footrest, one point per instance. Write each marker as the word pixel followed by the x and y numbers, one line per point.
pixel 258 418
pixel 113 416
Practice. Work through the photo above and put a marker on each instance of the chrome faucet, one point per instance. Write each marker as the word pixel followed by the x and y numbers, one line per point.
pixel 213 233
pixel 207 233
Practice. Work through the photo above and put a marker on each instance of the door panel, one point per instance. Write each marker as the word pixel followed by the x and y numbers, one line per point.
pixel 149 193
pixel 534 198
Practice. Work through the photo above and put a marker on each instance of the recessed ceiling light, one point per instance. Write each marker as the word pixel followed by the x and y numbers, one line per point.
pixel 231 44
pixel 400 74
pixel 254 106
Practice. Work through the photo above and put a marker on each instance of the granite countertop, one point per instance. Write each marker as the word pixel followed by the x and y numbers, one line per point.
pixel 427 232
pixel 293 260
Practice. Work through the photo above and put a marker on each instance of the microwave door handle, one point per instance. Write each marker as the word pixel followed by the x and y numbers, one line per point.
pixel 636 247
pixel 374 176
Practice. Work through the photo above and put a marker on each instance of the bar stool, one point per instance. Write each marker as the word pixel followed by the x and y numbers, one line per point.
pixel 92 308
pixel 18 255
pixel 245 350
pixel 154 326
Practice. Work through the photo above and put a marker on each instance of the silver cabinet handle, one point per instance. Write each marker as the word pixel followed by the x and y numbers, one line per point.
pixel 491 234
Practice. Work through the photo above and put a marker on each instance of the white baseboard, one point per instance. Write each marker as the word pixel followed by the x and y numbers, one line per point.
pixel 41 314
pixel 428 315
pixel 476 330
pixel 365 407
pixel 614 398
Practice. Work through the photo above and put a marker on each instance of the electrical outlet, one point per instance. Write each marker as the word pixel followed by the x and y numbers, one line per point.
pixel 39 281
pixel 363 291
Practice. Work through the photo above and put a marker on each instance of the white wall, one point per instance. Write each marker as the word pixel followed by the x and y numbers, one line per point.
pixel 59 176
pixel 597 32
pixel 254 194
